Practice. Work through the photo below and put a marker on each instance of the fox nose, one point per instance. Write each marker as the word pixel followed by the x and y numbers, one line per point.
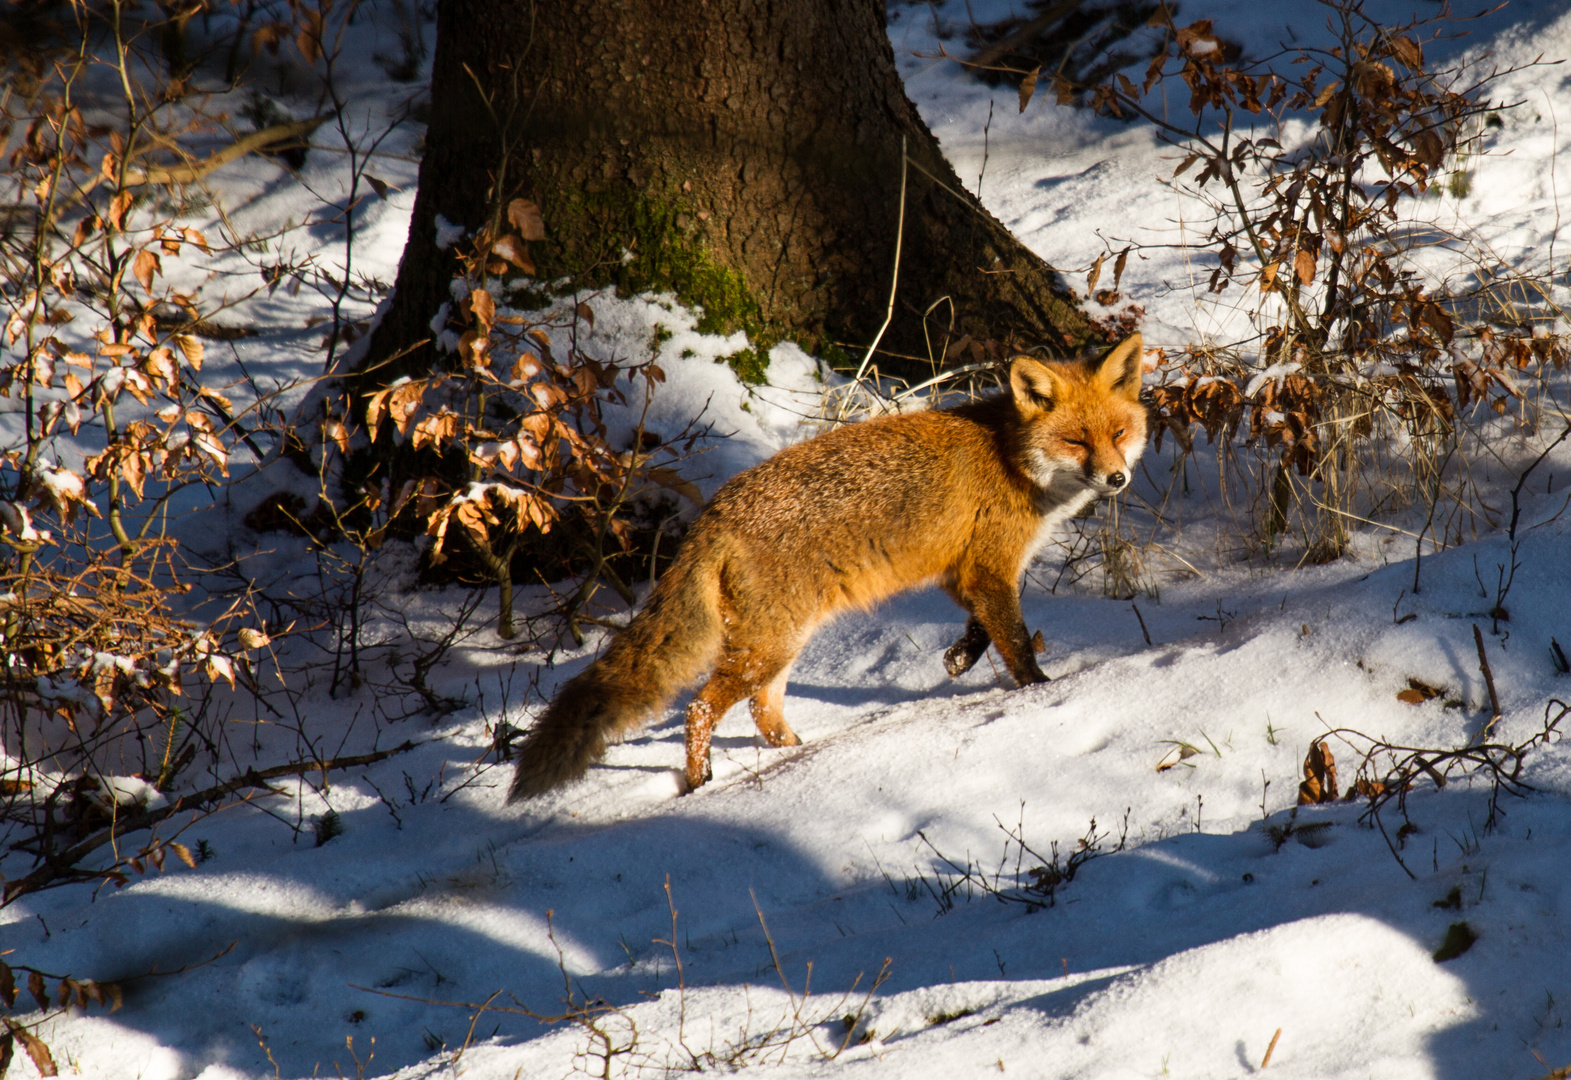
pixel 1116 480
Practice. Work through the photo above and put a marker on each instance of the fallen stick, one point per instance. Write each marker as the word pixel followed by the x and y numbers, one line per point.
pixel 1489 681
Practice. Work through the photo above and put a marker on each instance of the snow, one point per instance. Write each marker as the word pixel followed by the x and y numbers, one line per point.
pixel 447 233
pixel 1181 955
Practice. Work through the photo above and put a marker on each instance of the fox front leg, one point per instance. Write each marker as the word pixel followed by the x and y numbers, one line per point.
pixel 960 657
pixel 993 602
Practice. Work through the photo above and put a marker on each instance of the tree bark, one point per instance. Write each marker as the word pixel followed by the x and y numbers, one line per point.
pixel 743 155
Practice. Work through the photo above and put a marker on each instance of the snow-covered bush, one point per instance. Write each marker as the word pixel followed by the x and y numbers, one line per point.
pixel 509 442
pixel 1365 377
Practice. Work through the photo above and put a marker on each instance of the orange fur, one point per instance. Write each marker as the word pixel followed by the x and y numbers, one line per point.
pixel 961 498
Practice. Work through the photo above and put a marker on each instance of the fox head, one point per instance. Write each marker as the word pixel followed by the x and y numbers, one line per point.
pixel 1082 422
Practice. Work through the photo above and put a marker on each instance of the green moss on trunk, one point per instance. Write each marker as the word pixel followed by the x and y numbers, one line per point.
pixel 641 243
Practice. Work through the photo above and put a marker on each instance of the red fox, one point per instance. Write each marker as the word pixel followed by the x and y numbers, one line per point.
pixel 961 498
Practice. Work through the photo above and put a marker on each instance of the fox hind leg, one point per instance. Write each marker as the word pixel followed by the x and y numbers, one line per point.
pixel 740 675
pixel 768 707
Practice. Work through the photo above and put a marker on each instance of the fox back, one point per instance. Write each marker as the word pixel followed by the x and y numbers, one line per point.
pixel 960 498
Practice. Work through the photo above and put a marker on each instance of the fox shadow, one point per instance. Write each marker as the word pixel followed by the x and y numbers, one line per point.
pixel 388 933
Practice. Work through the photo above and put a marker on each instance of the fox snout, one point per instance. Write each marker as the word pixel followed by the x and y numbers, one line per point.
pixel 1107 477
pixel 1114 482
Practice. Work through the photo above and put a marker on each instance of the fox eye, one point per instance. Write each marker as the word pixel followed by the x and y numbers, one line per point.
pixel 1076 442
pixel 1119 434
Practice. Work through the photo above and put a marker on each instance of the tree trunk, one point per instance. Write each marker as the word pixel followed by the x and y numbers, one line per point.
pixel 745 156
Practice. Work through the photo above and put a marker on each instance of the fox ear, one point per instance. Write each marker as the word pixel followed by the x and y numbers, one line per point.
pixel 1037 387
pixel 1119 371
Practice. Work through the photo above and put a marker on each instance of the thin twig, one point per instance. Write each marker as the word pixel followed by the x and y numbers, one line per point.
pixel 1488 729
pixel 894 280
pixel 1144 632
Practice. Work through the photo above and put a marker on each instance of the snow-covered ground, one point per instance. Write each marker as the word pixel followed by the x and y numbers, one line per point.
pixel 740 926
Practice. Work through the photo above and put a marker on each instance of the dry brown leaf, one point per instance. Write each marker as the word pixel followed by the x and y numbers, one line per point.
pixel 1407 50
pixel 131 470
pixel 192 349
pixel 1028 86
pixel 403 401
pixel 160 364
pixel 524 216
pixel 268 36
pixel 483 308
pixel 1096 272
pixel 1181 751
pixel 1367 789
pixel 144 266
pixel 249 639
pixel 435 430
pixel 672 480
pixel 119 206
pixel 474 348
pixel 1319 784
pixel 525 369
pixel 1304 265
pixel 512 249
pixel 436 529
pixel 85 229
pixel 336 432
pixel 43 1060
pixel 1437 319
pixel 218 667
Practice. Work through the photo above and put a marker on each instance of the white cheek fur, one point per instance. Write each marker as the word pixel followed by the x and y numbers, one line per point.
pixel 1046 473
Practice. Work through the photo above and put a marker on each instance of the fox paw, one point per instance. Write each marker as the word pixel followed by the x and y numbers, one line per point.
pixel 962 656
pixel 1037 675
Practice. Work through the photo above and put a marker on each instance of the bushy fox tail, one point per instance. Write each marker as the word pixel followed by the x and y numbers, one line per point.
pixel 668 645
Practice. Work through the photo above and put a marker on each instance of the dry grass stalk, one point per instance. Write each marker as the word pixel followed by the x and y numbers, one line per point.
pixel 1265 1061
